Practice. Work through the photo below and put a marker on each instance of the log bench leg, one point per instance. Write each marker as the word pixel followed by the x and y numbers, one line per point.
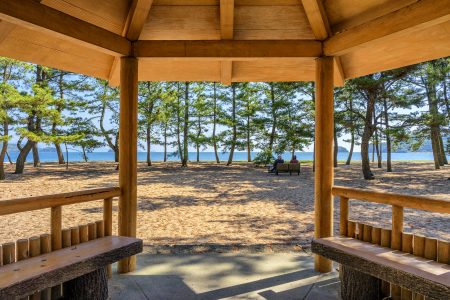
pixel 356 285
pixel 92 286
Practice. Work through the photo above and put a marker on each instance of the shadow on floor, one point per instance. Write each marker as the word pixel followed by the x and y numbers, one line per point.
pixel 275 276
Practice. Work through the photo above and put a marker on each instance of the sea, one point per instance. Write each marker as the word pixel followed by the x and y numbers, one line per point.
pixel 223 156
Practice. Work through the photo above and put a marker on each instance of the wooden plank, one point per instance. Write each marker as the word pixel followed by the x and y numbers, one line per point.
pixel 28 276
pixel 407 247
pixel 419 15
pixel 431 279
pixel 417 202
pixel 226 72
pixel 323 198
pixel 74 236
pixel 351 226
pixel 92 231
pixel 227 49
pixel 360 231
pixel 376 235
pixel 128 154
pixel 34 203
pixel 32 14
pixel 226 19
pixel 367 237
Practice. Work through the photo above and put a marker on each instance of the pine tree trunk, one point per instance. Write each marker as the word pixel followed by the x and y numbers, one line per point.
pixel 9 157
pixel 148 136
pixel 336 148
pixel 365 139
pixel 234 137
pixel 214 138
pixel 436 147
pixel 274 118
pixel 36 159
pixel 165 142
pixel 442 148
pixel 20 162
pixel 186 128
pixel 180 152
pixel 249 146
pixel 85 158
pixel 3 151
pixel 352 146
pixel 377 147
pixel 388 138
pixel 352 143
pixel 199 132
pixel 60 154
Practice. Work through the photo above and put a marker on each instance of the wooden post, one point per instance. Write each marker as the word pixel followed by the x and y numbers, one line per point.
pixel 323 175
pixel 84 233
pixel 343 223
pixel 107 215
pixel 56 227
pixel 128 154
pixel 397 227
pixel 35 250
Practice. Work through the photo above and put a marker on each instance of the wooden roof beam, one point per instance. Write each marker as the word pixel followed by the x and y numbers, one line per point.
pixel 136 19
pixel 419 15
pixel 227 49
pixel 226 19
pixel 134 24
pixel 315 12
pixel 32 14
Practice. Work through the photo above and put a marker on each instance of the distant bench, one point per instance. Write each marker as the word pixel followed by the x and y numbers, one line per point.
pixel 81 269
pixel 288 168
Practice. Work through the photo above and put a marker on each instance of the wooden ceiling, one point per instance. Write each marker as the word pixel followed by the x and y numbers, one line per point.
pixel 225 40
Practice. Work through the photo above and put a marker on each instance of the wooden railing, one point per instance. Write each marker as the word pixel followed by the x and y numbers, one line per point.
pixel 394 237
pixel 58 237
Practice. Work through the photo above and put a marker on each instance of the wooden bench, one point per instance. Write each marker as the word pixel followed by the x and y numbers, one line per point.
pixel 288 168
pixel 82 269
pixel 364 264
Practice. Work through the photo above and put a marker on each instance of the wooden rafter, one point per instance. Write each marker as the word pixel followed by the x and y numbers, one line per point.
pixel 315 12
pixel 136 19
pixel 227 49
pixel 32 14
pixel 420 15
pixel 134 24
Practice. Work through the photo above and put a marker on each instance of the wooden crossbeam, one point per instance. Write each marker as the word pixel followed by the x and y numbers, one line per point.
pixel 226 72
pixel 226 19
pixel 317 17
pixel 419 15
pixel 227 49
pixel 32 14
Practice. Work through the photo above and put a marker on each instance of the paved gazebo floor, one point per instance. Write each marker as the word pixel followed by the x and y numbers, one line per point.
pixel 225 276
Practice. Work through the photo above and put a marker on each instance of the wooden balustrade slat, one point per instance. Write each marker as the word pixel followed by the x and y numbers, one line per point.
pixel 84 233
pixel 92 231
pixel 66 238
pixel 100 228
pixel 351 228
pixel 367 233
pixel 407 246
pixel 417 202
pixel 34 203
pixel 360 231
pixel 343 216
pixel 35 250
pixel 376 235
pixel 418 250
pixel 444 252
pixel 9 253
pixel 75 235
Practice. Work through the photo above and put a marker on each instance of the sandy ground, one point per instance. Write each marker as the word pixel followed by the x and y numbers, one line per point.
pixel 215 204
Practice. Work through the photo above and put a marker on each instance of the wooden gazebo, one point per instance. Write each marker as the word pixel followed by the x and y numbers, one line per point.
pixel 126 41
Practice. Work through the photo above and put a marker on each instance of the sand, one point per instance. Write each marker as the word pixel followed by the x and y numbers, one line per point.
pixel 219 205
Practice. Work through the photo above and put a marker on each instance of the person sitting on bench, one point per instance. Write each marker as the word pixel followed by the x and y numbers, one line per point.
pixel 294 160
pixel 279 160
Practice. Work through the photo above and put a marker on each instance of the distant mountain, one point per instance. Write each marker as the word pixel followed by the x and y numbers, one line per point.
pixel 47 149
pixel 406 147
pixel 342 149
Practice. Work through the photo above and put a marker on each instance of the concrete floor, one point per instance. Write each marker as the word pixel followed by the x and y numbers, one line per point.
pixel 225 276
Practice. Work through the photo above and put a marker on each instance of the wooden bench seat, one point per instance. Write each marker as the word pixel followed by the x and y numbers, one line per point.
pixel 31 275
pixel 288 168
pixel 420 275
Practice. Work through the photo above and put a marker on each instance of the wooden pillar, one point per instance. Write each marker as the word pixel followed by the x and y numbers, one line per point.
pixel 323 176
pixel 128 154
